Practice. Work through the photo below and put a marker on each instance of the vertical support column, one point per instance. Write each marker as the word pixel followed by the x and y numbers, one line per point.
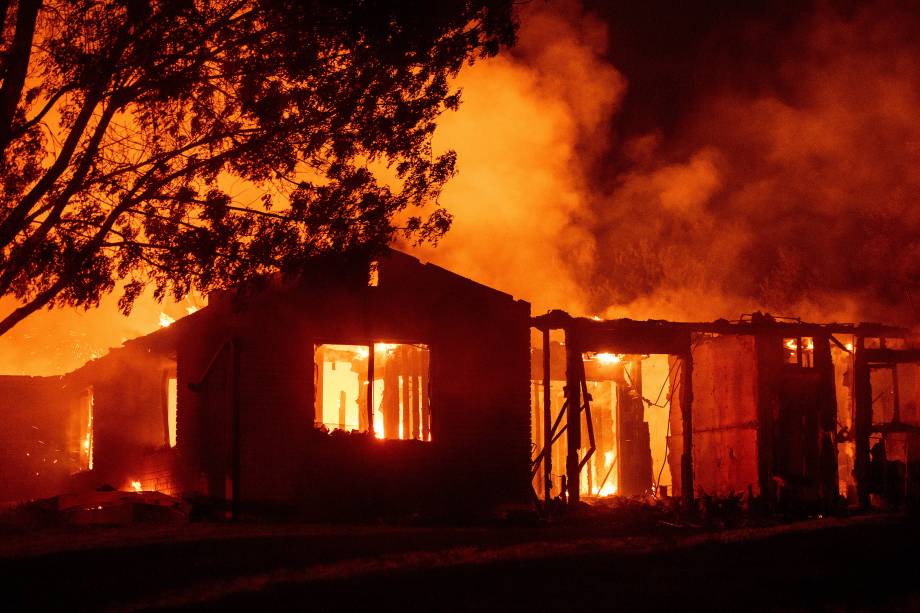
pixel 370 389
pixel 573 416
pixel 862 421
pixel 826 442
pixel 404 370
pixel 389 402
pixel 319 362
pixel 416 390
pixel 536 413
pixel 547 422
pixel 686 416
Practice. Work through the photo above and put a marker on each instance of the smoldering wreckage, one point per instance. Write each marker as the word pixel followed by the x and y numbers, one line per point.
pixel 425 392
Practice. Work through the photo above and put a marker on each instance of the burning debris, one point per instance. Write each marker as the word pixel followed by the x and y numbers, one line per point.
pixel 367 388
pixel 760 409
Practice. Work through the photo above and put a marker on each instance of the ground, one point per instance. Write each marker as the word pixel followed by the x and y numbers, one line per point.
pixel 834 564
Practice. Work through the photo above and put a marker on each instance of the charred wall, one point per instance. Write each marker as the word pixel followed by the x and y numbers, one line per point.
pixel 129 423
pixel 762 424
pixel 725 417
pixel 478 340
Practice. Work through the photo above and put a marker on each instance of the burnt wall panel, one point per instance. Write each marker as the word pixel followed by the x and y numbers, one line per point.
pixel 157 472
pixel 725 419
pixel 481 400
pixel 479 392
pixel 480 403
pixel 127 423
pixel 349 475
pixel 275 412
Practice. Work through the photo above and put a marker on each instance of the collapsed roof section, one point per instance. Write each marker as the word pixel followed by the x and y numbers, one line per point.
pixel 753 407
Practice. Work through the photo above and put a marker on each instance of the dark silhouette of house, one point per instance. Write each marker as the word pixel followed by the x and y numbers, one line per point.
pixel 341 393
pixel 227 403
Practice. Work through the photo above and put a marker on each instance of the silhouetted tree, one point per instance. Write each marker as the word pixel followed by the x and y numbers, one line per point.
pixel 121 121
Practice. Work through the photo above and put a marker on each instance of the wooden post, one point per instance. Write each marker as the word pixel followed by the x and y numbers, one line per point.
pixel 589 471
pixel 403 352
pixel 827 471
pixel 573 417
pixel 862 421
pixel 370 389
pixel 389 403
pixel 547 422
pixel 536 420
pixel 342 410
pixel 416 388
pixel 686 415
pixel 536 415
pixel 319 363
pixel 426 403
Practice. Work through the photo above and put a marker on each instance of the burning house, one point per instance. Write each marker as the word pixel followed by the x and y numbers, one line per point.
pixel 777 412
pixel 419 390
pixel 328 393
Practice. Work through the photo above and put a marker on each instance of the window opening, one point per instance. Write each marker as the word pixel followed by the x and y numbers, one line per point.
pixel 400 376
pixel 799 351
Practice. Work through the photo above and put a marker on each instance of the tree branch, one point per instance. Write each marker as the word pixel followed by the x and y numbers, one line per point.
pixel 15 67
pixel 24 251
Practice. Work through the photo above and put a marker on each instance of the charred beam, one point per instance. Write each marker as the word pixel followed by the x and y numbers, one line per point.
pixel 686 415
pixel 573 421
pixel 862 420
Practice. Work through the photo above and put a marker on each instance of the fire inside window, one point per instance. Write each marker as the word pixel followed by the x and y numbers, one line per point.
pixel 86 431
pixel 399 394
pixel 799 351
pixel 373 279
pixel 172 393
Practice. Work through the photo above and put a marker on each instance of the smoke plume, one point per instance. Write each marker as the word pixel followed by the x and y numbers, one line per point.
pixel 792 189
pixel 525 134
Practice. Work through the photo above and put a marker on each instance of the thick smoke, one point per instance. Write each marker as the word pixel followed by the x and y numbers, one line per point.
pixel 801 199
pixel 797 195
pixel 529 123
